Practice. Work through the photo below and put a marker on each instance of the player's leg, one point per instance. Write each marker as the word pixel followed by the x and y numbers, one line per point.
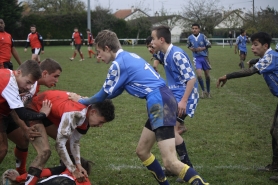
pixel 42 147
pixel 74 52
pixel 143 151
pixel 274 134
pixel 242 58
pixel 199 67
pixel 89 51
pixel 80 52
pixel 206 68
pixel 17 136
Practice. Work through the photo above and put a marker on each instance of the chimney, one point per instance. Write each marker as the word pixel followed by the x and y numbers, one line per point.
pixel 132 9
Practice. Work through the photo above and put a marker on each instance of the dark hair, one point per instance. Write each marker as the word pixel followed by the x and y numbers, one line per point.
pixel 108 38
pixel 163 31
pixel 32 25
pixel 50 65
pixel 88 29
pixel 242 31
pixel 195 24
pixel 262 37
pixel 75 28
pixel 87 165
pixel 105 109
pixel 31 67
pixel 148 40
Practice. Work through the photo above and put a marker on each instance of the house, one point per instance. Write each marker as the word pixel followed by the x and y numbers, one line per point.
pixel 130 14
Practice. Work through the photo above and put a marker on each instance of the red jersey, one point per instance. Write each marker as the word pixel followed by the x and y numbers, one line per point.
pixel 9 90
pixel 6 44
pixel 90 38
pixel 62 108
pixel 35 40
pixel 77 37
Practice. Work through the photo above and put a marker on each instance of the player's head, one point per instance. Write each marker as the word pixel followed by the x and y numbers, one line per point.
pixel 88 30
pixel 75 29
pixel 2 25
pixel 33 28
pixel 242 32
pixel 100 113
pixel 149 44
pixel 5 180
pixel 86 164
pixel 160 35
pixel 195 28
pixel 260 43
pixel 51 71
pixel 107 45
pixel 27 74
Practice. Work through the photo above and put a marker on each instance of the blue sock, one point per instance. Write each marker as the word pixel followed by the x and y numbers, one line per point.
pixel 188 174
pixel 154 167
pixel 182 152
pixel 208 84
pixel 201 82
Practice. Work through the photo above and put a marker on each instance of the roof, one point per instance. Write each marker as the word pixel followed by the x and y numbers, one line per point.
pixel 122 14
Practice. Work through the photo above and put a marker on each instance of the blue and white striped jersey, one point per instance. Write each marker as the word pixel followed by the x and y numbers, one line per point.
pixel 199 41
pixel 241 43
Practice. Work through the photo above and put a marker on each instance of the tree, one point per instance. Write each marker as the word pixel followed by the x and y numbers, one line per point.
pixel 206 13
pixel 10 12
pixel 57 6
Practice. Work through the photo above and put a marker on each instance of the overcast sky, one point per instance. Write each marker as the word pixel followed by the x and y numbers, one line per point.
pixel 174 6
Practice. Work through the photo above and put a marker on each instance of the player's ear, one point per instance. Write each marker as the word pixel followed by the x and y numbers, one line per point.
pixel 44 73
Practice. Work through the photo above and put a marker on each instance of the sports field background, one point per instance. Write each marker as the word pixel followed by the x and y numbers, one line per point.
pixel 227 139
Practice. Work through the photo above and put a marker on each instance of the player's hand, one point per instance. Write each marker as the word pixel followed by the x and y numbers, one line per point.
pixel 11 175
pixel 46 107
pixel 42 52
pixel 25 49
pixel 82 170
pixel 71 44
pixel 222 79
pixel 74 97
pixel 182 108
pixel 79 176
pixel 192 49
pixel 32 132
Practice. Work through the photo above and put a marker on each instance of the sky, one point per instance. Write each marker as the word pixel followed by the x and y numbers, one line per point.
pixel 174 6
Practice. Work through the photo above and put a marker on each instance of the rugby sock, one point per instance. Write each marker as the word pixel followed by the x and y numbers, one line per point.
pixel 74 55
pixel 21 178
pixel 154 167
pixel 90 54
pixel 201 82
pixel 241 64
pixel 21 159
pixel 81 55
pixel 188 174
pixel 208 84
pixel 182 152
pixel 33 176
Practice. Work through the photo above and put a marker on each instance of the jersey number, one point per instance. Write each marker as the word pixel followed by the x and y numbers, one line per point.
pixel 147 66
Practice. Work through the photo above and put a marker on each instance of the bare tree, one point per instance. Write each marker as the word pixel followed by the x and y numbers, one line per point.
pixel 207 13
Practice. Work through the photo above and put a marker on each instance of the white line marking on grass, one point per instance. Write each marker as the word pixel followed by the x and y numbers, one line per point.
pixel 124 167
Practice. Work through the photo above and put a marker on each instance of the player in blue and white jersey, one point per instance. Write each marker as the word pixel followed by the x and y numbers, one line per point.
pixel 132 73
pixel 181 81
pixel 267 67
pixel 240 47
pixel 199 44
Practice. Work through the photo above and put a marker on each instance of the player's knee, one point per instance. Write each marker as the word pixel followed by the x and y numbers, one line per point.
pixel 141 153
pixel 3 152
pixel 44 155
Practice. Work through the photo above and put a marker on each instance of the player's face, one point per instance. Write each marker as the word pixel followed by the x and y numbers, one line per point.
pixel 33 29
pixel 105 55
pixel 258 49
pixel 150 48
pixel 50 80
pixel 195 30
pixel 24 83
pixel 2 25
pixel 75 30
pixel 156 42
pixel 95 120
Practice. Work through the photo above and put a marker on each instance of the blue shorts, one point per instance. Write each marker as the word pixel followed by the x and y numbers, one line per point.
pixel 162 108
pixel 202 63
pixel 242 52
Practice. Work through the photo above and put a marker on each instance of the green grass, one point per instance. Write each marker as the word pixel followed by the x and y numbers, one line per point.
pixel 228 138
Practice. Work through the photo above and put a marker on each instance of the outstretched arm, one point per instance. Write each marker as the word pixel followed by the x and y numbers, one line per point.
pixel 239 74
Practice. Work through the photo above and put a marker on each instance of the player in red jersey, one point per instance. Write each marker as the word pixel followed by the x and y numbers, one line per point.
pixel 77 40
pixel 90 43
pixel 67 121
pixel 7 48
pixel 58 175
pixel 35 40
pixel 51 71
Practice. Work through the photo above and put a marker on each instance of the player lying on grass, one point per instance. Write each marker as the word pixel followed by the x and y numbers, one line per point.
pixel 58 175
pixel 132 73
pixel 67 121
pixel 267 67
pixel 50 71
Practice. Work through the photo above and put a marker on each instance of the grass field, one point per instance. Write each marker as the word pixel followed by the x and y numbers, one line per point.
pixel 227 140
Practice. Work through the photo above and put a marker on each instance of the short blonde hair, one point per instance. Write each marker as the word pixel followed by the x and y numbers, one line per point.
pixel 108 38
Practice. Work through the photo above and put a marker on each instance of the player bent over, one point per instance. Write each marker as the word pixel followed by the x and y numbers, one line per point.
pixel 267 66
pixel 132 73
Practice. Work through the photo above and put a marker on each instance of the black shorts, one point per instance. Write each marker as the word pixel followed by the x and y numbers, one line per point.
pixel 77 46
pixel 58 180
pixel 7 124
pixel 7 65
pixel 36 51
